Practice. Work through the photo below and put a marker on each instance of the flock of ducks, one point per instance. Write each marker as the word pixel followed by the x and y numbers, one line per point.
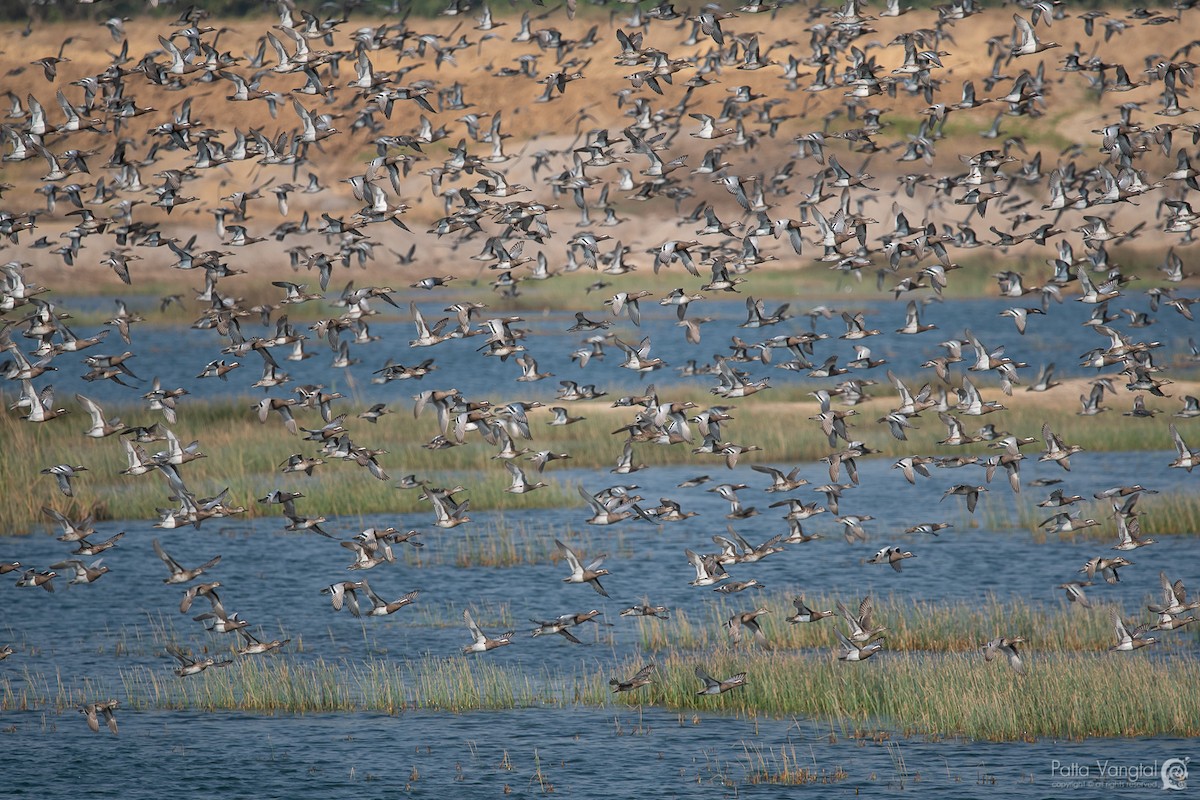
pixel 739 226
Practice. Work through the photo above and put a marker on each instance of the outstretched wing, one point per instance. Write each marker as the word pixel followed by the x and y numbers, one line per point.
pixel 643 673
pixel 475 632
pixel 171 563
pixel 569 555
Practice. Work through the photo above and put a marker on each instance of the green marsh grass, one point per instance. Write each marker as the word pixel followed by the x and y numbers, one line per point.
pixel 281 685
pixel 1170 512
pixel 1160 514
pixel 912 625
pixel 1062 695
pixel 813 282
pixel 245 455
pixel 776 281
pixel 804 284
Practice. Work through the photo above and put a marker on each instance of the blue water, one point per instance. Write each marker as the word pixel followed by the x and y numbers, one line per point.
pixel 176 353
pixel 273 578
pixel 577 753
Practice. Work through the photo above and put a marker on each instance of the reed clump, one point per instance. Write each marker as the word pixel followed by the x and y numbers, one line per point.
pixel 1159 514
pixel 782 767
pixel 1063 694
pixel 912 624
pixel 265 685
pixel 282 685
pixel 1170 512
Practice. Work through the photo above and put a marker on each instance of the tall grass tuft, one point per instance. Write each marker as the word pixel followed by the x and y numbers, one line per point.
pixel 912 625
pixel 1064 694
pixel 245 455
pixel 782 767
